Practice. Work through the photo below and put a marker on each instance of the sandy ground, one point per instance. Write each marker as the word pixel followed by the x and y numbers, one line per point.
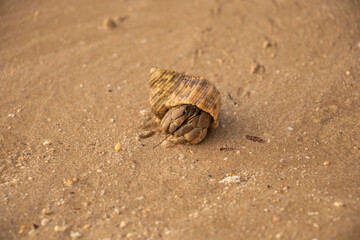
pixel 71 88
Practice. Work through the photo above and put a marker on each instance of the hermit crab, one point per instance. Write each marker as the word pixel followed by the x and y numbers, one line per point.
pixel 187 105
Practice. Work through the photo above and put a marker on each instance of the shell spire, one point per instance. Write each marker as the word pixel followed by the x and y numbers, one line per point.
pixel 169 89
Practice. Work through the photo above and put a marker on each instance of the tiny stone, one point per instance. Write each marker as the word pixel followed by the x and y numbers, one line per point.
pixel 60 229
pixel 290 128
pixel 112 120
pixel 22 229
pixel 86 226
pixel 348 73
pixel 109 23
pixel 75 234
pixel 266 44
pixel 46 143
pixel 225 159
pixel 70 182
pixel 11 115
pixel 122 224
pixel 326 163
pixel 339 204
pixel 44 221
pixel 117 147
pixel 81 85
pixel 99 170
pixel 140 198
pixel 276 219
pixel 46 211
pixel 116 210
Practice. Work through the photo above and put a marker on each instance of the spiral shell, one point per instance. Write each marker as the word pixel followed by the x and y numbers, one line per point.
pixel 169 89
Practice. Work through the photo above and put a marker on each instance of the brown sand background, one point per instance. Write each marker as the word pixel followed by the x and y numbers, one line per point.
pixel 68 80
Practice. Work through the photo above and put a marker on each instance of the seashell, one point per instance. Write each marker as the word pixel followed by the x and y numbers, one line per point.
pixel 187 105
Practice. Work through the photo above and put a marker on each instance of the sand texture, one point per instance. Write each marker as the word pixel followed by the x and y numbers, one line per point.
pixel 77 133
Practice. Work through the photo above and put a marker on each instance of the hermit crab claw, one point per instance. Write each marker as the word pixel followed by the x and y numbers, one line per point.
pixel 186 123
pixel 187 106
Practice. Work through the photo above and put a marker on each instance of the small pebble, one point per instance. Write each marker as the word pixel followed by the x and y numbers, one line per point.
pixel 75 234
pixel 70 182
pixel 266 44
pixel 22 229
pixel 46 211
pixel 122 224
pixel 99 170
pixel 326 163
pixel 46 143
pixel 339 204
pixel 275 219
pixel 109 23
pixel 11 115
pixel 290 128
pixel 231 179
pixel 60 228
pixel 117 147
pixel 347 73
pixel 44 221
pixel 86 226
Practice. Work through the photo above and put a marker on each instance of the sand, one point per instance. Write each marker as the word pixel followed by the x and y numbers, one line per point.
pixel 284 163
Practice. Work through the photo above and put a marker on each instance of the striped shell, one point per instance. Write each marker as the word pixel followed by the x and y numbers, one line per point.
pixel 169 89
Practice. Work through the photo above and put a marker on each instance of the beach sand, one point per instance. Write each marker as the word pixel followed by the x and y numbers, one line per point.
pixel 74 84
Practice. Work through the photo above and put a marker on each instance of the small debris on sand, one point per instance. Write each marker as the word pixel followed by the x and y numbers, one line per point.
pixel 70 182
pixel 44 221
pixel 86 226
pixel 22 229
pixel 256 68
pixel 117 147
pixel 109 23
pixel 60 228
pixel 122 224
pixel 275 219
pixel 326 163
pixel 231 179
pixel 35 226
pixel 75 234
pixel 46 211
pixel 46 143
pixel 255 139
pixel 226 149
pixel 339 204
